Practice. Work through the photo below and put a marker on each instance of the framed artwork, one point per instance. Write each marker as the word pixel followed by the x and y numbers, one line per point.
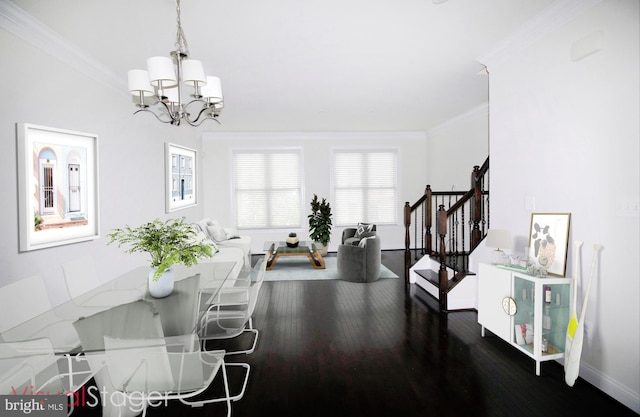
pixel 549 240
pixel 181 179
pixel 57 186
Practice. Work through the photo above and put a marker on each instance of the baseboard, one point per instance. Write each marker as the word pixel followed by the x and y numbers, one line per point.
pixel 611 387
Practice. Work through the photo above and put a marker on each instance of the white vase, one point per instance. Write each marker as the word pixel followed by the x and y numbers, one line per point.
pixel 163 286
pixel 322 249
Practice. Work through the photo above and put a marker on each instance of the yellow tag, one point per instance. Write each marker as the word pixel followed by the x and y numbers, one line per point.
pixel 573 326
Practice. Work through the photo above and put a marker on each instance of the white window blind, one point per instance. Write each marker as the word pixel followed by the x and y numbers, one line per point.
pixel 268 188
pixel 365 186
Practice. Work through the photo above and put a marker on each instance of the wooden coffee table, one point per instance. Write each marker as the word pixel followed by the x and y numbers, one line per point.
pixel 277 249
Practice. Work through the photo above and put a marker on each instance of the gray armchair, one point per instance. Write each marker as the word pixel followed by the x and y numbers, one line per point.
pixel 360 263
pixel 353 235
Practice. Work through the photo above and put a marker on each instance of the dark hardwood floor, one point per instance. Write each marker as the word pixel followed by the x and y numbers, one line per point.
pixel 335 348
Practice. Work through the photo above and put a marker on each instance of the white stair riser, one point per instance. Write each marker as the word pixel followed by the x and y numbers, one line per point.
pixel 463 296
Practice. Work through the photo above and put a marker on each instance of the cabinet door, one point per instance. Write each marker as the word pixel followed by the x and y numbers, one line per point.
pixel 494 284
pixel 547 314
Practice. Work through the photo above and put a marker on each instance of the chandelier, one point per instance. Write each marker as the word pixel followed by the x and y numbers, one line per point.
pixel 166 80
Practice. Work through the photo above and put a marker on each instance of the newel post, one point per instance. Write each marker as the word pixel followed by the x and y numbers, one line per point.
pixel 428 200
pixel 407 242
pixel 443 277
pixel 476 206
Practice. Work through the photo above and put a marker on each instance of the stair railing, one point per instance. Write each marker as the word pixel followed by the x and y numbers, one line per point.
pixel 461 219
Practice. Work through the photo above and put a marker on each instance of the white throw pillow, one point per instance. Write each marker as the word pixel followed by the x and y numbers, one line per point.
pixel 202 224
pixel 363 242
pixel 201 237
pixel 217 233
pixel 207 240
pixel 231 233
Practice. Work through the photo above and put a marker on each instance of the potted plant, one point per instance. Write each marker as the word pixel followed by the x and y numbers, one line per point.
pixel 320 223
pixel 168 243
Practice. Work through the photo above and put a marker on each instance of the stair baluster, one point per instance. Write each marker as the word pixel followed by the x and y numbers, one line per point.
pixel 450 221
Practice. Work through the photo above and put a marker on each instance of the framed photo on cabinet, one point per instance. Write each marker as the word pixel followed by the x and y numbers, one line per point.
pixel 181 181
pixel 57 186
pixel 549 240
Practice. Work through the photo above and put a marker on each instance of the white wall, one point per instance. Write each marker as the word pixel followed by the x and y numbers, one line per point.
pixel 565 136
pixel 316 149
pixel 455 147
pixel 40 89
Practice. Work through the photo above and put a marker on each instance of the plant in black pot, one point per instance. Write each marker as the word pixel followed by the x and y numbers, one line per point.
pixel 320 223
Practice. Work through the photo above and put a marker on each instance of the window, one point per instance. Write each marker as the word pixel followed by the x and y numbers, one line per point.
pixel 267 188
pixel 365 186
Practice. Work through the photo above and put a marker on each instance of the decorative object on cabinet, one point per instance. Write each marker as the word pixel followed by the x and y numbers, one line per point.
pixel 525 329
pixel 524 333
pixel 548 242
pixel 57 186
pixel 180 177
pixel 499 239
pixel 572 356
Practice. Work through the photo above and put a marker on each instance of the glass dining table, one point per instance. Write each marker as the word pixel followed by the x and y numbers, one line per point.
pixel 76 328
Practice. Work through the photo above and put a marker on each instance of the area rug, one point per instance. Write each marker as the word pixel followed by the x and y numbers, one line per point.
pixel 299 268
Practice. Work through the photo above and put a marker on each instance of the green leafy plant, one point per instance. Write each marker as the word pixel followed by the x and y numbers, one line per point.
pixel 169 242
pixel 37 221
pixel 320 221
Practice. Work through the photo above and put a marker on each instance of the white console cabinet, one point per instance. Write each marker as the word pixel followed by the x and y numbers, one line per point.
pixel 530 313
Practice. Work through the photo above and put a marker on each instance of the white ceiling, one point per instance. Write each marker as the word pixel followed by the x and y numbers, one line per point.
pixel 307 65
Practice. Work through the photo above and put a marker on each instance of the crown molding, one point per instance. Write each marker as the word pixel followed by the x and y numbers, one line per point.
pixel 550 19
pixel 15 20
pixel 301 136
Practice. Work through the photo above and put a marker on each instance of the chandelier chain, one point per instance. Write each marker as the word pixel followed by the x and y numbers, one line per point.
pixel 181 40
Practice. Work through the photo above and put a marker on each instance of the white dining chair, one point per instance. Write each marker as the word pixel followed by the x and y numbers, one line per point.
pixel 25 299
pixel 81 277
pixel 22 300
pixel 28 365
pixel 31 366
pixel 127 348
pixel 153 370
pixel 129 320
pixel 230 313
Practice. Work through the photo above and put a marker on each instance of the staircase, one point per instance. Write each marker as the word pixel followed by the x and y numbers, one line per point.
pixel 438 260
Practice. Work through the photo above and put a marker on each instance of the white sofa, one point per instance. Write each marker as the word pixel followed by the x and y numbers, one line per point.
pixel 226 237
pixel 220 254
pixel 233 255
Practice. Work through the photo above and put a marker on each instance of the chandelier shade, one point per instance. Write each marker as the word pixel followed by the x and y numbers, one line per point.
pixel 193 72
pixel 212 91
pixel 167 81
pixel 161 72
pixel 172 96
pixel 139 82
